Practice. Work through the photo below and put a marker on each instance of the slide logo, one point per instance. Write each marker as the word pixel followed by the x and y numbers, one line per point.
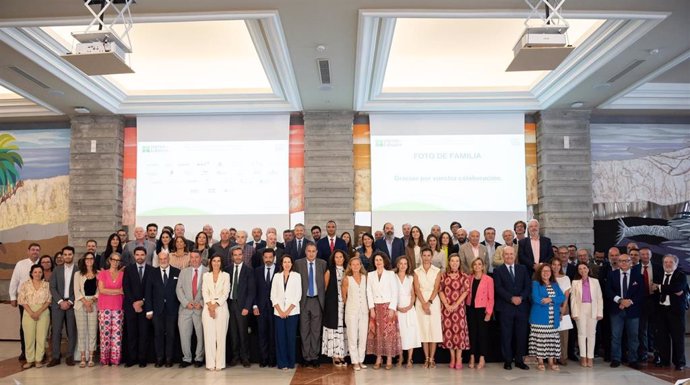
pixel 387 143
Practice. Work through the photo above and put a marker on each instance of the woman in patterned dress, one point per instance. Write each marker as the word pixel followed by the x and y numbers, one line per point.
pixel 382 295
pixel 110 314
pixel 454 288
pixel 334 341
pixel 544 317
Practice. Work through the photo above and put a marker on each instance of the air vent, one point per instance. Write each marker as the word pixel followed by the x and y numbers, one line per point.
pixel 28 77
pixel 324 71
pixel 625 70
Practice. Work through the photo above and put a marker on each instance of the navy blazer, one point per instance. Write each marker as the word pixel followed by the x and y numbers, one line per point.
pixel 262 299
pixel 258 258
pixel 505 288
pixel 259 245
pixel 323 248
pixel 678 282
pixel 526 255
pixel 635 292
pixel 247 288
pixel 134 289
pixel 291 249
pixel 162 299
pixel 398 248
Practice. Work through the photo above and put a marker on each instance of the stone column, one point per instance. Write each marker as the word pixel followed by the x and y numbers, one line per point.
pixel 328 164
pixel 565 177
pixel 95 196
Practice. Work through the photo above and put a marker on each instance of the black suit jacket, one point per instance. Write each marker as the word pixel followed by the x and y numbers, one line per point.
pixel 247 288
pixel 162 299
pixel 635 292
pixel 657 274
pixel 323 247
pixel 134 289
pixel 678 282
pixel 291 249
pixel 526 255
pixel 262 299
pixel 397 246
pixel 258 258
pixel 260 245
pixel 505 289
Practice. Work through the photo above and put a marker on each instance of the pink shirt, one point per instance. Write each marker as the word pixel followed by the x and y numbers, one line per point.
pixel 110 302
pixel 535 249
pixel 586 292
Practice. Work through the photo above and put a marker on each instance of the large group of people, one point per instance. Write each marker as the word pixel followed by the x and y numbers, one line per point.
pixel 348 296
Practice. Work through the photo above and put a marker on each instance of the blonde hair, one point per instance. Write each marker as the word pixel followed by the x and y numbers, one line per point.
pixel 349 271
pixel 480 260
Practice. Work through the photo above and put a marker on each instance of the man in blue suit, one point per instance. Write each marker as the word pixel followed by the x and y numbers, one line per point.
pixel 240 302
pixel 527 247
pixel 137 326
pixel 326 245
pixel 263 307
pixel 512 285
pixel 625 288
pixel 162 307
pixel 296 247
pixel 389 244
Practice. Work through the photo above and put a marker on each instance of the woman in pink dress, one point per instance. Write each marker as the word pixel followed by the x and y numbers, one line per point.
pixel 454 289
pixel 110 314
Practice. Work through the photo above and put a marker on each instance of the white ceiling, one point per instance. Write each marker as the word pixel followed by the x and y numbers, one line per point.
pixel 424 65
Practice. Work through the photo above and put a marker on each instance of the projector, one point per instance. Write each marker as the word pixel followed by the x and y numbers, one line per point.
pixel 99 53
pixel 540 49
pixel 99 47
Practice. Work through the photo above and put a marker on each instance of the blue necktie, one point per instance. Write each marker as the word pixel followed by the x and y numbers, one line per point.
pixel 512 274
pixel 310 293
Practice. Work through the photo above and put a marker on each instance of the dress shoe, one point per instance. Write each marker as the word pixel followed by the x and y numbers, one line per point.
pixel 168 364
pixel 246 364
pixel 159 364
pixel 272 364
pixel 522 365
pixel 680 367
pixel 658 364
pixel 69 361
pixel 234 362
pixel 262 364
pixel 21 357
pixel 184 364
pixel 53 362
pixel 129 364
pixel 315 364
pixel 615 364
pixel 198 364
pixel 507 366
pixel 634 365
pixel 142 364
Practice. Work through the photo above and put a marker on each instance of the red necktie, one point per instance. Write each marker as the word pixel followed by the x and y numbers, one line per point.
pixel 645 274
pixel 195 286
pixel 332 245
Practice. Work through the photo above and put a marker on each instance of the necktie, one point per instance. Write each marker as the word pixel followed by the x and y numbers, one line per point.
pixel 667 280
pixel 299 246
pixel 645 274
pixel 268 275
pixel 141 273
pixel 332 245
pixel 165 277
pixel 512 273
pixel 234 283
pixel 195 283
pixel 625 284
pixel 310 293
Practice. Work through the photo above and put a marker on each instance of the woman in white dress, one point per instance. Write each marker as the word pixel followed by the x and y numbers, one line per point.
pixel 215 289
pixel 354 291
pixel 407 315
pixel 427 280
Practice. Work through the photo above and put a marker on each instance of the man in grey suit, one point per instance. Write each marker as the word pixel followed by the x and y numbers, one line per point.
pixel 312 272
pixel 471 250
pixel 62 307
pixel 139 241
pixel 191 306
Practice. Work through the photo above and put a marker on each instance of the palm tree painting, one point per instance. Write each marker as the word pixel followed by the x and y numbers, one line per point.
pixel 10 163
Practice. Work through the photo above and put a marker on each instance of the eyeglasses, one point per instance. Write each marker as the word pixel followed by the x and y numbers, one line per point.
pixel 114 260
pixel 624 260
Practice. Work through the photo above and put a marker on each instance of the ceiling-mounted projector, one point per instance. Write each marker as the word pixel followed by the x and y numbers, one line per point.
pixel 99 53
pixel 541 49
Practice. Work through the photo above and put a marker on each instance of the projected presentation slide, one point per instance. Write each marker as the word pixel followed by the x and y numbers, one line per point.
pixel 435 169
pixel 226 171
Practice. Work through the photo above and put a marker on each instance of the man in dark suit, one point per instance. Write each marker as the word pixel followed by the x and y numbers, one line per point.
pixel 513 286
pixel 312 271
pixel 258 258
pixel 139 241
pixel 136 324
pixel 651 273
pixel 295 248
pixel 389 244
pixel 625 289
pixel 491 245
pixel 240 301
pixel 567 268
pixel 162 307
pixel 671 287
pixel 288 235
pixel 62 307
pixel 263 307
pixel 256 242
pixel 527 247
pixel 326 245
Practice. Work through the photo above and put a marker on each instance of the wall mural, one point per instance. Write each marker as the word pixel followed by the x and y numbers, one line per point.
pixel 641 187
pixel 34 193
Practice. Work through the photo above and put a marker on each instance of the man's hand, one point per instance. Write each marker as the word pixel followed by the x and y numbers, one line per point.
pixel 516 300
pixel 256 312
pixel 245 312
pixel 13 303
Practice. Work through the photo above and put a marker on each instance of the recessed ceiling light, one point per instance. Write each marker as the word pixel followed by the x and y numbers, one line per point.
pixel 654 51
pixel 81 110
pixel 577 105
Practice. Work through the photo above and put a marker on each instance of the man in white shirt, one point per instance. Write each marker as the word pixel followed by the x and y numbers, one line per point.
pixel 19 275
pixel 326 245
pixel 62 307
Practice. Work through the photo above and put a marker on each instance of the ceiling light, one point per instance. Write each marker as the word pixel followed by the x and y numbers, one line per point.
pixel 654 51
pixel 81 110
pixel 577 105
pixel 320 48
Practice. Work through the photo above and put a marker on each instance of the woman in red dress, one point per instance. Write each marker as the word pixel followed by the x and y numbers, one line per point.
pixel 454 289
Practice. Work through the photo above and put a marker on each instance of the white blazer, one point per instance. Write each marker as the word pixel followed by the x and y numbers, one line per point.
pixel 576 298
pixel 79 281
pixel 216 291
pixel 286 295
pixel 384 290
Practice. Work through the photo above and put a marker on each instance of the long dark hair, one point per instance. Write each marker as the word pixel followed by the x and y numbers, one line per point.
pixel 159 244
pixel 82 263
pixel 109 248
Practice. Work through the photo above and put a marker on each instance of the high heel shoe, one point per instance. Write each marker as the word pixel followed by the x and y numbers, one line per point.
pixel 432 363
pixel 426 363
pixel 458 365
pixel 377 365
pixel 481 364
pixel 410 364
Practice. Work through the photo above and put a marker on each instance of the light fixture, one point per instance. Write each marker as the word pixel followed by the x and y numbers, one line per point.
pixel 81 110
pixel 577 105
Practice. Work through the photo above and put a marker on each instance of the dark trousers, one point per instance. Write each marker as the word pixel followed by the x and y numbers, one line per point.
pixel 310 321
pixel 58 318
pixel 514 331
pixel 137 330
pixel 670 339
pixel 239 336
pixel 647 330
pixel 267 339
pixel 477 328
pixel 164 334
pixel 21 330
pixel 286 340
